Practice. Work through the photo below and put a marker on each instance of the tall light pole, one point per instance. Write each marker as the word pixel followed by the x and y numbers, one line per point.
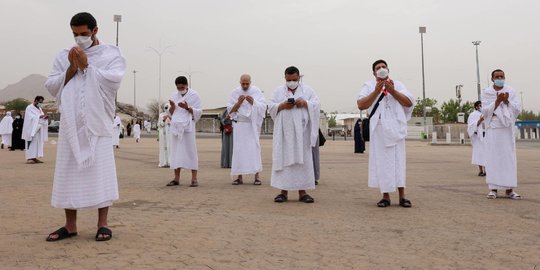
pixel 159 54
pixel 476 43
pixel 458 93
pixel 422 30
pixel 117 19
pixel 134 90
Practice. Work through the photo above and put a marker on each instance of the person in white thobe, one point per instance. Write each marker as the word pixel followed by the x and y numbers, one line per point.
pixel 387 130
pixel 137 131
pixel 85 79
pixel 147 126
pixel 186 110
pixel 500 107
pixel 164 124
pixel 6 129
pixel 295 109
pixel 475 129
pixel 117 129
pixel 247 109
pixel 35 131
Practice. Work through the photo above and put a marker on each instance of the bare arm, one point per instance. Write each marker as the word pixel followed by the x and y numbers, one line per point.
pixel 365 102
pixel 238 104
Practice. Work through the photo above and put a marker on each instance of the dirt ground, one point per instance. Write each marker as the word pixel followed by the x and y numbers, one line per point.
pixel 219 226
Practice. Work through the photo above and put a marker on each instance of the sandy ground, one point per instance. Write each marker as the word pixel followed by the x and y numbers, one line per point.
pixel 219 226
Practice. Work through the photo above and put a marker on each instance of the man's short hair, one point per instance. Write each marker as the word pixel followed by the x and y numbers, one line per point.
pixel 38 98
pixel 478 103
pixel 84 18
pixel 497 70
pixel 378 62
pixel 292 70
pixel 181 80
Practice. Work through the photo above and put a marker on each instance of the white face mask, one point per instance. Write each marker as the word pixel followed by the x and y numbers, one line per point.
pixel 84 42
pixel 17 117
pixel 382 73
pixel 183 92
pixel 292 84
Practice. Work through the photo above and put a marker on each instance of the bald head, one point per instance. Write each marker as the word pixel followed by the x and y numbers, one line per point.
pixel 245 81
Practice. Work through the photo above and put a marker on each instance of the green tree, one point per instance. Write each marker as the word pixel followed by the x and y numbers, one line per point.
pixel 449 111
pixel 528 115
pixel 429 102
pixel 17 105
pixel 451 108
pixel 332 121
pixel 467 108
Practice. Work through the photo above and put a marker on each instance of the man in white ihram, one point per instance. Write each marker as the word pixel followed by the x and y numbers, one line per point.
pixel 85 80
pixel 35 131
pixel 247 109
pixel 147 126
pixel 500 107
pixel 185 110
pixel 117 129
pixel 6 129
pixel 476 131
pixel 164 124
pixel 296 110
pixel 387 130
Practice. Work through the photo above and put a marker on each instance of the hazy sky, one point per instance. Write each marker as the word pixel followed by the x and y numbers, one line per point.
pixel 333 43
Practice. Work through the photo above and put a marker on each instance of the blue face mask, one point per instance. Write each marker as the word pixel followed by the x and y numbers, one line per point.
pixel 499 83
pixel 39 105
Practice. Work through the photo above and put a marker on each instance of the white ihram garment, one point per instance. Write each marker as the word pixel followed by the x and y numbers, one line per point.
pixel 388 130
pixel 183 145
pixel 164 139
pixel 476 133
pixel 501 161
pixel 85 174
pixel 295 132
pixel 34 132
pixel 247 121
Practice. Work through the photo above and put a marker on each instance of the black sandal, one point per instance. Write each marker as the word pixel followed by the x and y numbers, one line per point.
pixel 405 203
pixel 62 233
pixel 194 184
pixel 104 231
pixel 280 198
pixel 257 182
pixel 173 183
pixel 237 182
pixel 383 203
pixel 307 199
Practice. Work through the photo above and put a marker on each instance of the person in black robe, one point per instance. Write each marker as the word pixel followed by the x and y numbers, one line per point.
pixel 16 141
pixel 128 129
pixel 359 144
pixel 226 140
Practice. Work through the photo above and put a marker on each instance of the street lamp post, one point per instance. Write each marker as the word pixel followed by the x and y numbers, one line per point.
pixel 476 43
pixel 134 90
pixel 458 93
pixel 159 54
pixel 422 30
pixel 117 19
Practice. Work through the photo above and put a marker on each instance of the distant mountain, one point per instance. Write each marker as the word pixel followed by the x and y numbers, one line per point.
pixel 28 88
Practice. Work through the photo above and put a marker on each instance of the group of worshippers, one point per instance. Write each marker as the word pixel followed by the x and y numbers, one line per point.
pixel 86 77
pixel 295 109
pixel 28 134
pixel 11 132
pixel 491 129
